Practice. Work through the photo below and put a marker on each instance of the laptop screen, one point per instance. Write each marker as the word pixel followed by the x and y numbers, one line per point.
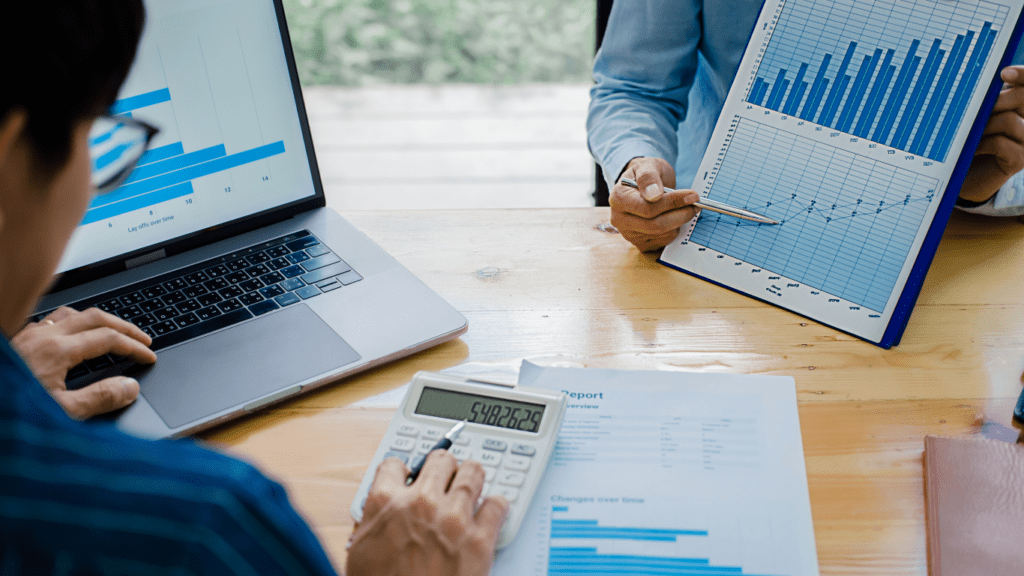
pixel 213 76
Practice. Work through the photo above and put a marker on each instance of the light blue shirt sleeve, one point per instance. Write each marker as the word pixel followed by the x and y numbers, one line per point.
pixel 662 76
pixel 643 72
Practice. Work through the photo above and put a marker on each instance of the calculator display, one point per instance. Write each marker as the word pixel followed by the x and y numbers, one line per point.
pixel 484 410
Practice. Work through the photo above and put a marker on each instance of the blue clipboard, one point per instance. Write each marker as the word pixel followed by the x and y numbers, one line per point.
pixel 912 289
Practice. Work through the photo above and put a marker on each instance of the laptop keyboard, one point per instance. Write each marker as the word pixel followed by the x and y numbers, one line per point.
pixel 220 292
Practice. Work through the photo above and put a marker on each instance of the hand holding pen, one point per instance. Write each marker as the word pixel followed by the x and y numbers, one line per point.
pixel 650 217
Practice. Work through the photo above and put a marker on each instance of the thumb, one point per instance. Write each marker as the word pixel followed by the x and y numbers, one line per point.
pixel 100 397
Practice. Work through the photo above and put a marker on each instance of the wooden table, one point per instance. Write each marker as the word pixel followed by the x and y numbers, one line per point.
pixel 555 287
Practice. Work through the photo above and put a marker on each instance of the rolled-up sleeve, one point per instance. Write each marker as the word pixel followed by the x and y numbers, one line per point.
pixel 643 72
pixel 1009 201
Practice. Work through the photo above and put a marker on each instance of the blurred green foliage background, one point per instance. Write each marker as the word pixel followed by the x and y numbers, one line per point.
pixel 368 42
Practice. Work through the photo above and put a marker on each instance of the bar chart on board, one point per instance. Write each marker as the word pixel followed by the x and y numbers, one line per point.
pixel 897 72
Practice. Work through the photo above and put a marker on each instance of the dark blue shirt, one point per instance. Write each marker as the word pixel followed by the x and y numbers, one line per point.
pixel 84 498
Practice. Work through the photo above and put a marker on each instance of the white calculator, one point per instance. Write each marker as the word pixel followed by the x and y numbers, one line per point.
pixel 511 431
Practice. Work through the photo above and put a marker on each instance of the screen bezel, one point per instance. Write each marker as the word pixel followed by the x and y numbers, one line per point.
pixel 192 240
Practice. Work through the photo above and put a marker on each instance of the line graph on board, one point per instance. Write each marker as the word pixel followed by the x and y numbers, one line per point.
pixel 848 222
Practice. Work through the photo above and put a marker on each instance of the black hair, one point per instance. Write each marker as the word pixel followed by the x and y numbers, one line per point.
pixel 64 62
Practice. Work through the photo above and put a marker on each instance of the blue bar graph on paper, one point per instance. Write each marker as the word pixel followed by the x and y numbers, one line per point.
pixel 898 94
pixel 885 88
pixel 867 116
pixel 939 98
pixel 817 90
pixel 141 101
pixel 795 94
pixel 925 81
pixel 588 559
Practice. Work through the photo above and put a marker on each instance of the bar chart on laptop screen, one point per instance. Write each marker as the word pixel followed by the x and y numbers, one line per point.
pixel 213 77
pixel 897 72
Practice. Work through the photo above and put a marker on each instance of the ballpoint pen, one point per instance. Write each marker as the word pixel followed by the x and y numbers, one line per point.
pixel 719 207
pixel 443 444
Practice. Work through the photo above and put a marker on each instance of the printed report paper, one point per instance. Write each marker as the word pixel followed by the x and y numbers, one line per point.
pixel 659 473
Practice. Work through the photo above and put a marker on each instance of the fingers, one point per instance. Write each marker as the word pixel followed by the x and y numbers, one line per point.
pixel 97 342
pixel 466 487
pixel 1013 75
pixel 437 473
pixel 490 517
pixel 1009 124
pixel 96 318
pixel 1008 153
pixel 99 398
pixel 389 481
pixel 60 314
pixel 652 175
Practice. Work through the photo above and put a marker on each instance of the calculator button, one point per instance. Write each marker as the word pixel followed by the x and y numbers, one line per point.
pixel 496 445
pixel 489 458
pixel 511 478
pixel 461 453
pixel 489 473
pixel 426 446
pixel 407 430
pixel 509 493
pixel 462 440
pixel 403 444
pixel 517 463
pixel 524 450
pixel 433 434
pixel 401 456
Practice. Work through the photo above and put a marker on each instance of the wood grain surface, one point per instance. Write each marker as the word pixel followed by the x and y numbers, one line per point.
pixel 558 287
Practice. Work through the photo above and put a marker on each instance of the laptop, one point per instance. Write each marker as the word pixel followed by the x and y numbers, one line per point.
pixel 220 245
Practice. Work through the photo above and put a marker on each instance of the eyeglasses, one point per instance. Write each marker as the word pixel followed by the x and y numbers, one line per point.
pixel 116 144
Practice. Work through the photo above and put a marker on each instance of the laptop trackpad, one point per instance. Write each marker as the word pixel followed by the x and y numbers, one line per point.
pixel 234 366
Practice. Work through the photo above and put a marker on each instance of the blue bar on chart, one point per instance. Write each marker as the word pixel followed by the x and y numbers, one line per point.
pixel 136 203
pixel 889 92
pixel 588 560
pixel 141 101
pixel 162 153
pixel 167 172
pixel 190 173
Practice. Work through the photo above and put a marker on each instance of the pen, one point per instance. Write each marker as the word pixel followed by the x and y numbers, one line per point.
pixel 719 207
pixel 443 444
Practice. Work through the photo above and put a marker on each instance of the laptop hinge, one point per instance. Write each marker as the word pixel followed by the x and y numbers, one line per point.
pixel 145 259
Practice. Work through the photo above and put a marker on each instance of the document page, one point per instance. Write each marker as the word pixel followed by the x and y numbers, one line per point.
pixel 844 123
pixel 669 473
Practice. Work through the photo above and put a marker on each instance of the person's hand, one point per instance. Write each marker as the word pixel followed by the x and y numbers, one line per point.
pixel 429 527
pixel 1000 154
pixel 650 218
pixel 67 337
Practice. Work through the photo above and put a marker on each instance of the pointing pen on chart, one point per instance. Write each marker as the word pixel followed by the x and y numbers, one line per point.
pixel 719 207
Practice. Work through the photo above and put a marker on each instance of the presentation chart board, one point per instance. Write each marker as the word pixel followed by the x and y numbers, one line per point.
pixel 669 473
pixel 846 123
pixel 230 141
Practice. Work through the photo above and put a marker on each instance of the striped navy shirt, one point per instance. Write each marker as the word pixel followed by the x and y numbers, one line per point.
pixel 83 498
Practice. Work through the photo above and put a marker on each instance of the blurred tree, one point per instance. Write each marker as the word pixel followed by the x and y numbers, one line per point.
pixel 366 42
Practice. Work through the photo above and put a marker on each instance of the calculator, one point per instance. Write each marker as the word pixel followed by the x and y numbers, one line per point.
pixel 510 431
